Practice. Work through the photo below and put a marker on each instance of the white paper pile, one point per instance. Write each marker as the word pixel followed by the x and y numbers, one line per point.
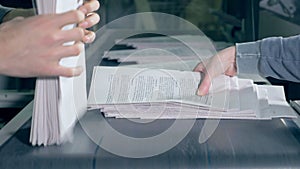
pixel 59 101
pixel 123 92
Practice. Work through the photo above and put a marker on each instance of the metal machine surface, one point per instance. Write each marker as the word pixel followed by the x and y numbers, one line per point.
pixel 234 144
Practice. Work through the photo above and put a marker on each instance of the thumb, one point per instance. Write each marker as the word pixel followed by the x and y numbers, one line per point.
pixel 204 86
pixel 199 68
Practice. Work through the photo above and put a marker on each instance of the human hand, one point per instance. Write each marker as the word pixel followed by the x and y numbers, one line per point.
pixel 34 46
pixel 87 8
pixel 222 63
pixel 90 20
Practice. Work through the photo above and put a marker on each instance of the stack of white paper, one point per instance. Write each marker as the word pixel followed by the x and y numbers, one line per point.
pixel 58 101
pixel 123 92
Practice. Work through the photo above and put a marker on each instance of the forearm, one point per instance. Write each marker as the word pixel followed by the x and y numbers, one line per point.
pixel 271 57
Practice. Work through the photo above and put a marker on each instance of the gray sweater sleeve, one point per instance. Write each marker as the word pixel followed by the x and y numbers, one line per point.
pixel 271 57
pixel 3 12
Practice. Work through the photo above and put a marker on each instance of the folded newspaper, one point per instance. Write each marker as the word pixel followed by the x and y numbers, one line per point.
pixel 124 92
pixel 56 104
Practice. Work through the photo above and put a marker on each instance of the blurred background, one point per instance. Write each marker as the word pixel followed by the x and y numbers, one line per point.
pixel 229 21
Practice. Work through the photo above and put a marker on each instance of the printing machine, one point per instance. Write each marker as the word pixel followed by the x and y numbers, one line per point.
pixel 233 144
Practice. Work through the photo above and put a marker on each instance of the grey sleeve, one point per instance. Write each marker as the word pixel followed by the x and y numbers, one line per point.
pixel 275 57
pixel 3 12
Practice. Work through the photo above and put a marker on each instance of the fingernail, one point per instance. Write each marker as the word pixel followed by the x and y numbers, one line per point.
pixel 84 24
pixel 200 93
pixel 92 21
pixel 87 39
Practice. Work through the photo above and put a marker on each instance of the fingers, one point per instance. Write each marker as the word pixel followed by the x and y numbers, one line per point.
pixel 199 68
pixel 72 50
pixel 204 86
pixel 63 52
pixel 85 14
pixel 89 6
pixel 68 51
pixel 68 72
pixel 88 9
pixel 71 17
pixel 89 37
pixel 75 34
pixel 231 71
pixel 58 70
pixel 53 68
pixel 91 20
